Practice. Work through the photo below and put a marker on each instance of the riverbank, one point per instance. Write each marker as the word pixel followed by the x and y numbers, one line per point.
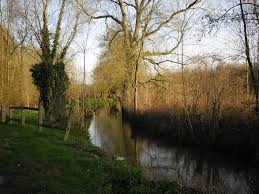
pixel 235 134
pixel 33 162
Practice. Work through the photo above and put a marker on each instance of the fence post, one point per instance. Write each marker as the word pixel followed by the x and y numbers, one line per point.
pixel 11 115
pixel 3 116
pixel 23 117
pixel 69 121
pixel 40 116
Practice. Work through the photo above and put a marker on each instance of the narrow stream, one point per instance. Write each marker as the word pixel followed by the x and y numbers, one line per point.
pixel 160 161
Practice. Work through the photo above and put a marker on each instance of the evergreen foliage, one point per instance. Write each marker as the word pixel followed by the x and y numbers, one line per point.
pixel 52 82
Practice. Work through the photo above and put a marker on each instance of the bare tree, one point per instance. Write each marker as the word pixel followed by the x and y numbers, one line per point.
pixel 243 14
pixel 143 25
pixel 12 37
pixel 84 47
pixel 51 37
pixel 248 57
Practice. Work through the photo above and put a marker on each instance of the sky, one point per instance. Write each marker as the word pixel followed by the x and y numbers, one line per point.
pixel 89 37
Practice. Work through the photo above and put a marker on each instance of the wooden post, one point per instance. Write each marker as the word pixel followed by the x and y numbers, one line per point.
pixel 3 116
pixel 69 121
pixel 23 117
pixel 40 116
pixel 11 115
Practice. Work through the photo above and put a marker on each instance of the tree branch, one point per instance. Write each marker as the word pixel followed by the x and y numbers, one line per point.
pixel 107 16
pixel 165 22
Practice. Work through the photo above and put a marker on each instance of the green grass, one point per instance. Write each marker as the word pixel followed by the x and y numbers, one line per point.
pixel 31 116
pixel 33 162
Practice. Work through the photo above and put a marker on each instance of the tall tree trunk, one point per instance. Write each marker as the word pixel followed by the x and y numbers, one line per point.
pixel 135 95
pixel 55 110
pixel 186 107
pixel 2 66
pixel 22 80
pixel 247 50
pixel 83 101
pixel 59 110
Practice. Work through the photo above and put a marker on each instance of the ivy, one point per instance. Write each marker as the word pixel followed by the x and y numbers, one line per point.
pixel 51 80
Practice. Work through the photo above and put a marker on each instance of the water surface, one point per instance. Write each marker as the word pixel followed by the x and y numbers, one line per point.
pixel 160 161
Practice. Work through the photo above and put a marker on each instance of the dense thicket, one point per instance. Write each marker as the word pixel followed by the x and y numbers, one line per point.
pixel 16 86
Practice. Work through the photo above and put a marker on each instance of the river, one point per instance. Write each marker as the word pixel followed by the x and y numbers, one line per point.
pixel 158 160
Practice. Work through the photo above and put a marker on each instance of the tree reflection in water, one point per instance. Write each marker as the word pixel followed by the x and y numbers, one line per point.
pixel 193 168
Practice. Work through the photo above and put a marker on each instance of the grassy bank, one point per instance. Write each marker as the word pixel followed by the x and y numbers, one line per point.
pixel 33 162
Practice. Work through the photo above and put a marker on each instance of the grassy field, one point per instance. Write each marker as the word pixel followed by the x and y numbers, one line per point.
pixel 33 162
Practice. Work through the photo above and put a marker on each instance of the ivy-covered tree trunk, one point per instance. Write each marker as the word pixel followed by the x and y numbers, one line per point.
pixel 50 76
pixel 56 111
pixel 60 108
pixel 52 82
